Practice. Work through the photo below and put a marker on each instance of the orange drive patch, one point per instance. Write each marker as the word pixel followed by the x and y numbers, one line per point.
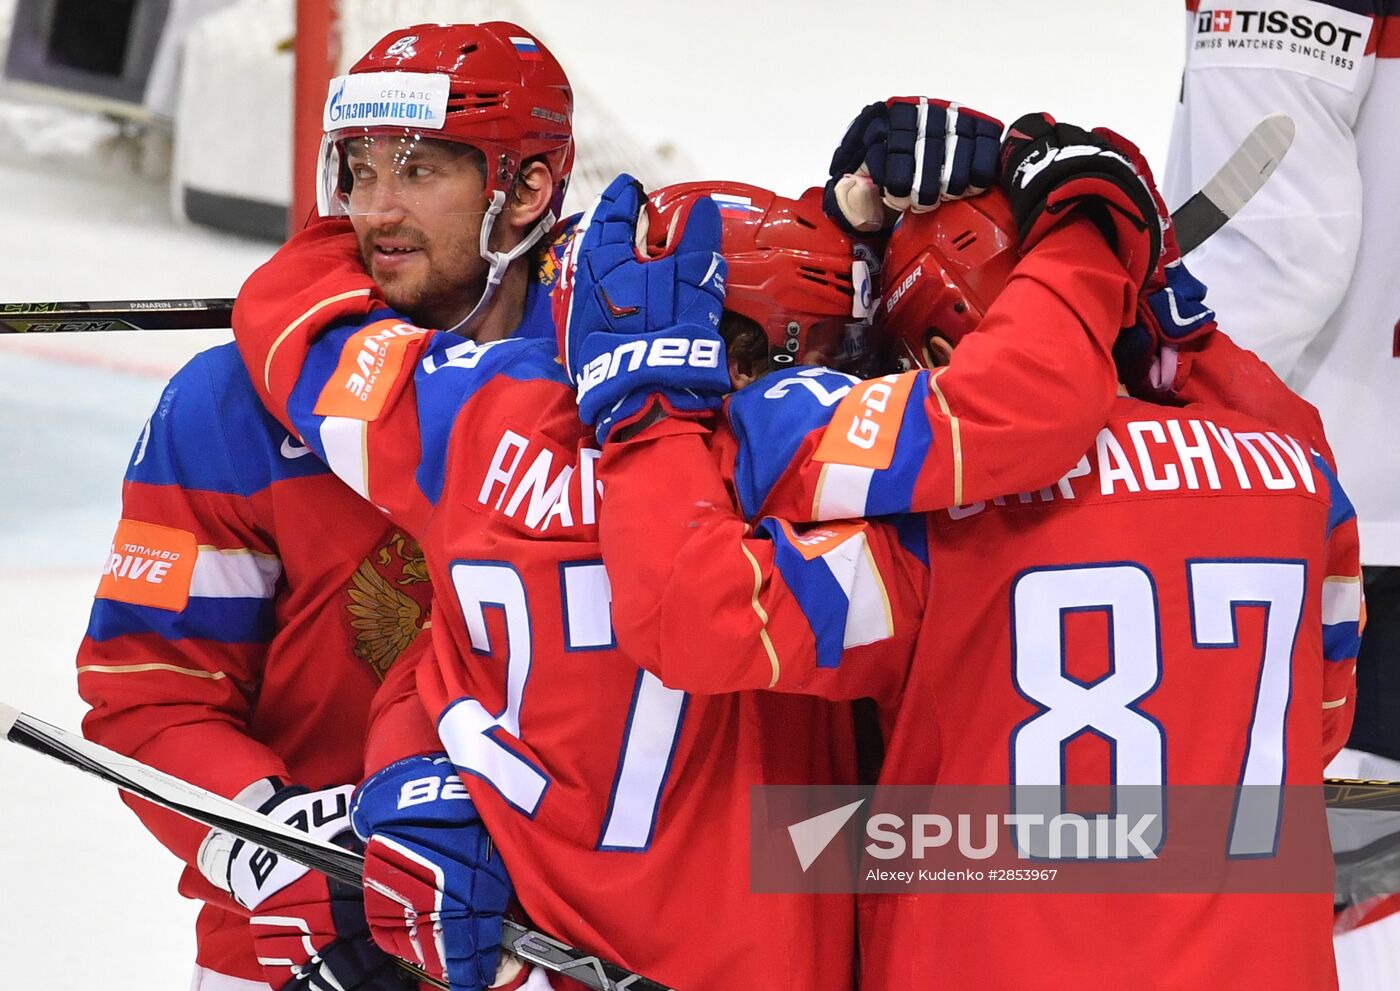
pixel 150 565
pixel 819 538
pixel 865 426
pixel 368 368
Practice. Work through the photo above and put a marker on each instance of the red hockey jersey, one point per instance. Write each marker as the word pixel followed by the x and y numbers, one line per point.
pixel 250 606
pixel 620 805
pixel 1188 591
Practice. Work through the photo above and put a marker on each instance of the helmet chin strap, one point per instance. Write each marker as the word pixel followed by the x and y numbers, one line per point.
pixel 498 260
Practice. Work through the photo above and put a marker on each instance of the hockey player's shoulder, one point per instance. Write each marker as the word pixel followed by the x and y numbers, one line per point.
pixel 518 359
pixel 209 431
pixel 788 403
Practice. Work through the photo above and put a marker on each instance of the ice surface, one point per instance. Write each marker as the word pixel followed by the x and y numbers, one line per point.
pixel 749 90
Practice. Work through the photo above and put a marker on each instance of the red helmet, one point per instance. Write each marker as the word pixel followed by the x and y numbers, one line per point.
pixel 493 86
pixel 942 269
pixel 791 270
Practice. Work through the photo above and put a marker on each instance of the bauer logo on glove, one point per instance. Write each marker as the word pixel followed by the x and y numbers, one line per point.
pixel 661 352
pixel 634 325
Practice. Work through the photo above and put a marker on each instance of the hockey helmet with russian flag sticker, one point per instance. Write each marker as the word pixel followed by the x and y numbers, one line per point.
pixel 491 86
pixel 792 272
pixel 430 101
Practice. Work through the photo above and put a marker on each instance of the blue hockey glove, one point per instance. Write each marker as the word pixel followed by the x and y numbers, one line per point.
pixel 631 326
pixel 909 153
pixel 435 889
pixel 1154 355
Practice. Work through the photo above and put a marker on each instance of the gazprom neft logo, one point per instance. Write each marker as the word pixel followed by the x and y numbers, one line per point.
pixel 380 99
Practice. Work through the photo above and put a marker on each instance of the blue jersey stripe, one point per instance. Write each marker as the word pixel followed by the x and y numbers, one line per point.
pixel 771 418
pixel 912 531
pixel 1339 507
pixel 220 620
pixel 823 602
pixel 892 489
pixel 1341 641
pixel 243 452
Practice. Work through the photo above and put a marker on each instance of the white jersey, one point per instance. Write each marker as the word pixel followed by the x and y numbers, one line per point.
pixel 1306 274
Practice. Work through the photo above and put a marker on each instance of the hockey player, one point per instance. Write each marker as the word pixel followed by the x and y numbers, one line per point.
pixel 1311 290
pixel 1178 525
pixel 253 603
pixel 599 785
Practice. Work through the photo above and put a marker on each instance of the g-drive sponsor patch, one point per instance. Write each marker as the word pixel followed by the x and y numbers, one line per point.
pixel 149 565
pixel 1316 39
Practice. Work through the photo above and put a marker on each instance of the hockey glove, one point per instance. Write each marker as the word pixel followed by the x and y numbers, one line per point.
pixel 908 153
pixel 631 326
pixel 435 889
pixel 1050 169
pixel 308 931
pixel 1154 354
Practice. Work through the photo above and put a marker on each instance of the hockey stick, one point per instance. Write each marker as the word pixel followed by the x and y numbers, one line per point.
pixel 1236 182
pixel 214 810
pixel 1209 209
pixel 145 314
pixel 1362 793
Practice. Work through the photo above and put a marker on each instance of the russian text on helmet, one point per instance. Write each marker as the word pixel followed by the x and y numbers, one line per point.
pixel 385 99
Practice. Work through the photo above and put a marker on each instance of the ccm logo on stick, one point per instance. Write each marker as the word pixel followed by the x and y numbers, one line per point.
pixel 660 352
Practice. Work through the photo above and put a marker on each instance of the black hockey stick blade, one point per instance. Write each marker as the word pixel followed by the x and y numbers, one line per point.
pixel 203 806
pixel 1242 175
pixel 140 314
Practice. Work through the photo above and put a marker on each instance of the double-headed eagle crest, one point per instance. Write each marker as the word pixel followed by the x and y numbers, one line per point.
pixel 384 617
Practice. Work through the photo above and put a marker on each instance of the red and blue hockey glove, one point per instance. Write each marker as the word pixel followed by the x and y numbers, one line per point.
pixel 1050 170
pixel 308 931
pixel 436 891
pixel 633 326
pixel 1154 355
pixel 909 153
pixel 1173 307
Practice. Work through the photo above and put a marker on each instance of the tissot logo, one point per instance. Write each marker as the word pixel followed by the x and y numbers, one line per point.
pixel 1278 23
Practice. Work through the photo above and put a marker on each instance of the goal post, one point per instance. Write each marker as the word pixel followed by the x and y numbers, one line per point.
pixel 317 60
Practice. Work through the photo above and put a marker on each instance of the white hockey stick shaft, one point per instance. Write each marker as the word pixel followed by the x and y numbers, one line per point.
pixel 1236 182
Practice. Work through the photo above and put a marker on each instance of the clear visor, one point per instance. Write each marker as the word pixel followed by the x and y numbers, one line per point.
pixel 400 172
pixel 850 346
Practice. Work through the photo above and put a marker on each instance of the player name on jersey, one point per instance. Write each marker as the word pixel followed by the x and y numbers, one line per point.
pixel 526 484
pixel 1137 456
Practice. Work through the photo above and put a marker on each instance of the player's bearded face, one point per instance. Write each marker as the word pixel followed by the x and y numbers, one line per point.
pixel 417 208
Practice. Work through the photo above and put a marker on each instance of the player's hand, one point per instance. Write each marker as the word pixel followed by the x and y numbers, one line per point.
pixel 632 326
pixel 1050 170
pixel 308 931
pixel 909 153
pixel 435 889
pixel 1154 355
